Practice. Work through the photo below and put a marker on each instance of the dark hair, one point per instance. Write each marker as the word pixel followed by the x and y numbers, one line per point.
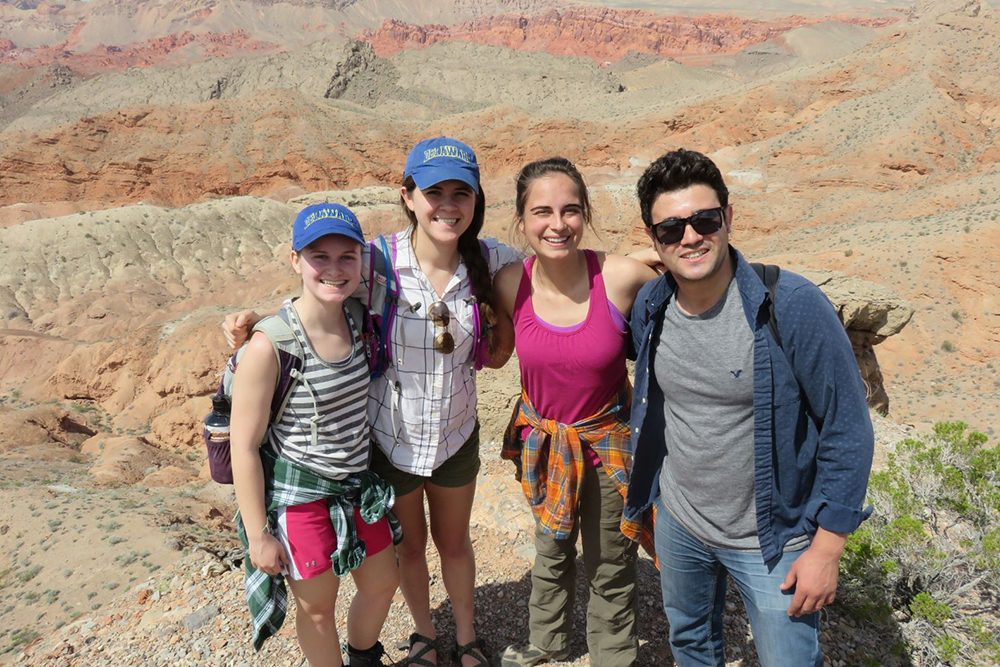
pixel 551 165
pixel 675 171
pixel 472 256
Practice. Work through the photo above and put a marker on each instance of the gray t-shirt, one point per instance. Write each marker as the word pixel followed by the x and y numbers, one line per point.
pixel 704 365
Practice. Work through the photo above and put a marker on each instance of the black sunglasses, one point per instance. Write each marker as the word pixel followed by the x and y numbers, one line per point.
pixel 705 222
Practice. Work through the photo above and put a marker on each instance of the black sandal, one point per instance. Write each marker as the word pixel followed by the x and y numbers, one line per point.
pixel 473 649
pixel 418 658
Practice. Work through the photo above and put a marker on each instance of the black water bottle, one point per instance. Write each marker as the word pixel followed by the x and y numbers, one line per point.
pixel 216 434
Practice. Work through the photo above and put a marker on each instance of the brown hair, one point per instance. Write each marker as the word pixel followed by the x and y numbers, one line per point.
pixel 475 261
pixel 539 168
pixel 551 165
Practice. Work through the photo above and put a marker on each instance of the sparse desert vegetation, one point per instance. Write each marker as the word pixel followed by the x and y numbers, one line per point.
pixel 929 557
pixel 146 184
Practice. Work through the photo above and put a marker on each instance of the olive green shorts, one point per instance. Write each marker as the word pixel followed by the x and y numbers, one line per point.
pixel 459 470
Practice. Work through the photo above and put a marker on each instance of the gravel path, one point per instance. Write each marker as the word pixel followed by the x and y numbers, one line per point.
pixel 192 613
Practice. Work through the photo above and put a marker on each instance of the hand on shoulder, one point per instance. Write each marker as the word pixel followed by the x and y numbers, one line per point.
pixel 237 327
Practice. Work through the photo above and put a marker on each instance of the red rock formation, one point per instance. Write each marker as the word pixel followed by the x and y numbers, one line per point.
pixel 153 154
pixel 141 54
pixel 599 33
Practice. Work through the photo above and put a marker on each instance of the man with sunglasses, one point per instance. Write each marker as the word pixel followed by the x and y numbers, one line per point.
pixel 754 452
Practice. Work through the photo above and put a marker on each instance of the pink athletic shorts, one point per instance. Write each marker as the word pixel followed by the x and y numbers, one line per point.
pixel 308 537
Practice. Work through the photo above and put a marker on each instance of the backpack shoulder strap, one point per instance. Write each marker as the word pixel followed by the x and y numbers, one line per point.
pixel 278 330
pixel 383 281
pixel 356 310
pixel 289 353
pixel 386 260
pixel 769 274
pixel 376 276
pixel 383 297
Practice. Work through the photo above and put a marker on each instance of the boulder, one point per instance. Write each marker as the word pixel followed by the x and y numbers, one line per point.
pixel 870 313
pixel 127 460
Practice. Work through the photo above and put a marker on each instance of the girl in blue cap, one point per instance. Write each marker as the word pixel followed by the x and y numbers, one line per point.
pixel 422 410
pixel 310 509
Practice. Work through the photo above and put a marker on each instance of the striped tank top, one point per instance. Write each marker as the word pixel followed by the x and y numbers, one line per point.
pixel 325 426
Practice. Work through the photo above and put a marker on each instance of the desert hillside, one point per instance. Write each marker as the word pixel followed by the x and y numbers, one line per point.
pixel 153 154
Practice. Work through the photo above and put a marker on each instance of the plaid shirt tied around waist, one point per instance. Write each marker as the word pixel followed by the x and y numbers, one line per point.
pixel 550 462
pixel 290 484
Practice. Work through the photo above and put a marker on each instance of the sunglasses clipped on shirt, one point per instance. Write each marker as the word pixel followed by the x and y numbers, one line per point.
pixel 705 222
pixel 439 314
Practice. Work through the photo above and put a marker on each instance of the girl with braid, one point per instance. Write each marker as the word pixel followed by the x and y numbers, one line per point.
pixel 422 410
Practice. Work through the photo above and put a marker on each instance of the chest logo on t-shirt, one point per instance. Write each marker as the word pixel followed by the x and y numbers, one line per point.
pixel 736 374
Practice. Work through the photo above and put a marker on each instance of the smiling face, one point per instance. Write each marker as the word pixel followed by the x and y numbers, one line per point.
pixel 330 268
pixel 553 219
pixel 696 261
pixel 442 211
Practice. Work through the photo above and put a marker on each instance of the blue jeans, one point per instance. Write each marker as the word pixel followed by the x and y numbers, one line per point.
pixel 693 578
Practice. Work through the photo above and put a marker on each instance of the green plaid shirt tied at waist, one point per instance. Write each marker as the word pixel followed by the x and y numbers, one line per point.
pixel 290 484
pixel 550 462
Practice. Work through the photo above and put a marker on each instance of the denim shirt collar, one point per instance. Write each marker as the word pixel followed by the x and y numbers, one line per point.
pixel 753 293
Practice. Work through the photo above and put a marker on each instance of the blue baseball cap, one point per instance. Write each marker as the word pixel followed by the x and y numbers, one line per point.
pixel 318 220
pixel 442 159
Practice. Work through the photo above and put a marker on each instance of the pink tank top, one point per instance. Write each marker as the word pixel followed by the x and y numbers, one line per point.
pixel 571 372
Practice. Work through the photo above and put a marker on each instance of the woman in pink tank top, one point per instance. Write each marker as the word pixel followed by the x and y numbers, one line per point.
pixel 570 439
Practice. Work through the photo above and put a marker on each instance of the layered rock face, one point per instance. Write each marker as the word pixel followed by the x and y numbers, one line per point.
pixel 877 162
pixel 147 189
pixel 600 33
pixel 174 49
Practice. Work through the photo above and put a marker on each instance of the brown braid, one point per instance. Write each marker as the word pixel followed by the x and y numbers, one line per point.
pixel 475 262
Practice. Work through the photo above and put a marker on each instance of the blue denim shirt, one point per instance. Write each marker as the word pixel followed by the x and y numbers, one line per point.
pixel 813 437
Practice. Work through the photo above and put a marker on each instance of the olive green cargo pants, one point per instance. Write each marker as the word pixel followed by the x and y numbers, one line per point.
pixel 609 559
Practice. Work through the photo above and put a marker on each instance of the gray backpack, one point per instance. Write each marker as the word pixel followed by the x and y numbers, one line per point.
pixel 291 361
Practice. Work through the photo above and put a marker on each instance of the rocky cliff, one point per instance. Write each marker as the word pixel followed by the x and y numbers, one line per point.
pixel 601 33
pixel 174 49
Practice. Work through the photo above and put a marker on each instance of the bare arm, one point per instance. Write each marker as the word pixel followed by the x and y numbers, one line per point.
pixel 504 294
pixel 623 276
pixel 503 341
pixel 649 257
pixel 253 388
pixel 505 286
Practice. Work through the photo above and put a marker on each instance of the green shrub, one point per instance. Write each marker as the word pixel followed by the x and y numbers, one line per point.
pixel 926 607
pixel 19 638
pixel 930 554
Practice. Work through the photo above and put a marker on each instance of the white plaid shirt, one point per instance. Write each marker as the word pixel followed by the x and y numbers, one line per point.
pixel 423 409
